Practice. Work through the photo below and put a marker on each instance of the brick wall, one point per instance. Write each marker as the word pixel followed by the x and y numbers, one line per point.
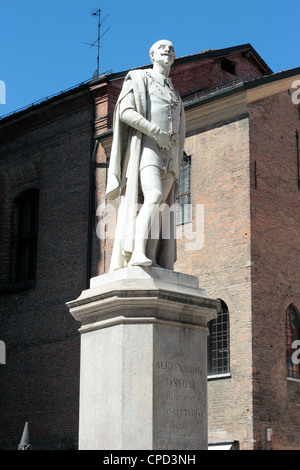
pixel 220 182
pixel 50 150
pixel 207 74
pixel 275 272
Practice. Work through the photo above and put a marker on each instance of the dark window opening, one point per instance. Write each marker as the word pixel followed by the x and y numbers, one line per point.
pixel 228 66
pixel 24 240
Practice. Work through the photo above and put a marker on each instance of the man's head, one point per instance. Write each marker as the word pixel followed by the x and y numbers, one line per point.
pixel 162 51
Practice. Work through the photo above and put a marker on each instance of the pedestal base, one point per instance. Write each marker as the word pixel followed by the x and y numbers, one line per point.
pixel 143 374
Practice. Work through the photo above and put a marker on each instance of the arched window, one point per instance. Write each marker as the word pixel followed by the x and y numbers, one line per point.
pixel 292 335
pixel 24 239
pixel 218 343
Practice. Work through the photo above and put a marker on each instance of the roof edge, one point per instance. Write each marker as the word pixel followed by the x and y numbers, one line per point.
pixel 207 54
pixel 211 53
pixel 243 87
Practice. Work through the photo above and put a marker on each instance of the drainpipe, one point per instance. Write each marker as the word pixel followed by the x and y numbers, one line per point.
pixel 94 148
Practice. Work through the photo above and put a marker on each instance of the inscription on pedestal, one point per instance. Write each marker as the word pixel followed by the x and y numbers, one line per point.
pixel 179 399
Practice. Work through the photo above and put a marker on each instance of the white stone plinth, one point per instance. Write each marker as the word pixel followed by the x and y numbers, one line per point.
pixel 143 382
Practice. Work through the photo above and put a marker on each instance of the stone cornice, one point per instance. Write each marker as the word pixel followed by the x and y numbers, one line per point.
pixel 230 103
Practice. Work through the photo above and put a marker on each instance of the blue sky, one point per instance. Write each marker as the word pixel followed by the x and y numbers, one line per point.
pixel 43 50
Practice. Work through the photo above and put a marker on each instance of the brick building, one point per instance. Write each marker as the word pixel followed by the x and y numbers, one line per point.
pixel 241 174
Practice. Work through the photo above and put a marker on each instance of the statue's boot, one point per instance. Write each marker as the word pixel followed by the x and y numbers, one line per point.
pixel 139 259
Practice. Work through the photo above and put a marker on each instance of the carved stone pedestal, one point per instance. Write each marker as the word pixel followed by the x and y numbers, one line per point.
pixel 143 361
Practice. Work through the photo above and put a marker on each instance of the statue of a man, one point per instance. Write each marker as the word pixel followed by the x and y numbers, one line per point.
pixel 147 148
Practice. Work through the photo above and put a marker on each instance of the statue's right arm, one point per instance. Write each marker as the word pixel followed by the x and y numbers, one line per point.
pixel 132 118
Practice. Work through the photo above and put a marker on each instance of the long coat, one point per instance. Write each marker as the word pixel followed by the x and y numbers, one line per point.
pixel 123 177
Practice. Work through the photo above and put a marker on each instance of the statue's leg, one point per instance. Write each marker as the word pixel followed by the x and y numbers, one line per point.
pixel 159 220
pixel 151 185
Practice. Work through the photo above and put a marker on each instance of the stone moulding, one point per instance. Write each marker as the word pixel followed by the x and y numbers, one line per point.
pixel 140 298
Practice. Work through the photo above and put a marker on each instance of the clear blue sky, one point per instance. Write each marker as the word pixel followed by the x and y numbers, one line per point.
pixel 43 48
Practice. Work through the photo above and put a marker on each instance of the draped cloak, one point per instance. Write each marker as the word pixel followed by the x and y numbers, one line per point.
pixel 123 178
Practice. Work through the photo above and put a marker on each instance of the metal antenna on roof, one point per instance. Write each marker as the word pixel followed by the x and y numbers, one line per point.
pixel 96 43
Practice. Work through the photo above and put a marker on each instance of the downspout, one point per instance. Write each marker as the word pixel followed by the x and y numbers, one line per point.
pixel 94 148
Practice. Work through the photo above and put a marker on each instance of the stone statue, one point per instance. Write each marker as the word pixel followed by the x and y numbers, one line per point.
pixel 147 148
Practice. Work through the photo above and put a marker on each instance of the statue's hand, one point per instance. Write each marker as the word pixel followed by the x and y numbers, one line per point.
pixel 163 139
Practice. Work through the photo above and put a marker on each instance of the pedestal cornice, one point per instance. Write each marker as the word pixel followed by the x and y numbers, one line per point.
pixel 143 295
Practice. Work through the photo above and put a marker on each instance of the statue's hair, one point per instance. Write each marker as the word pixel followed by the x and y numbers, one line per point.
pixel 154 46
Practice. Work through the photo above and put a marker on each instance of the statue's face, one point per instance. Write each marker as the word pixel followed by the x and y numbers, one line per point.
pixel 163 52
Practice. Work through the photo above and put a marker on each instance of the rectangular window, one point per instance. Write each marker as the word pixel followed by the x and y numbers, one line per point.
pixel 218 343
pixel 184 210
pixel 24 240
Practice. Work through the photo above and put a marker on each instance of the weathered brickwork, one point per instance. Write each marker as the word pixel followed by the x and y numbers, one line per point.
pixel 275 249
pixel 220 182
pixel 39 382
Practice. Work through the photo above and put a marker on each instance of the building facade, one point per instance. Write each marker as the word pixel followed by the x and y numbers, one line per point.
pixel 238 231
